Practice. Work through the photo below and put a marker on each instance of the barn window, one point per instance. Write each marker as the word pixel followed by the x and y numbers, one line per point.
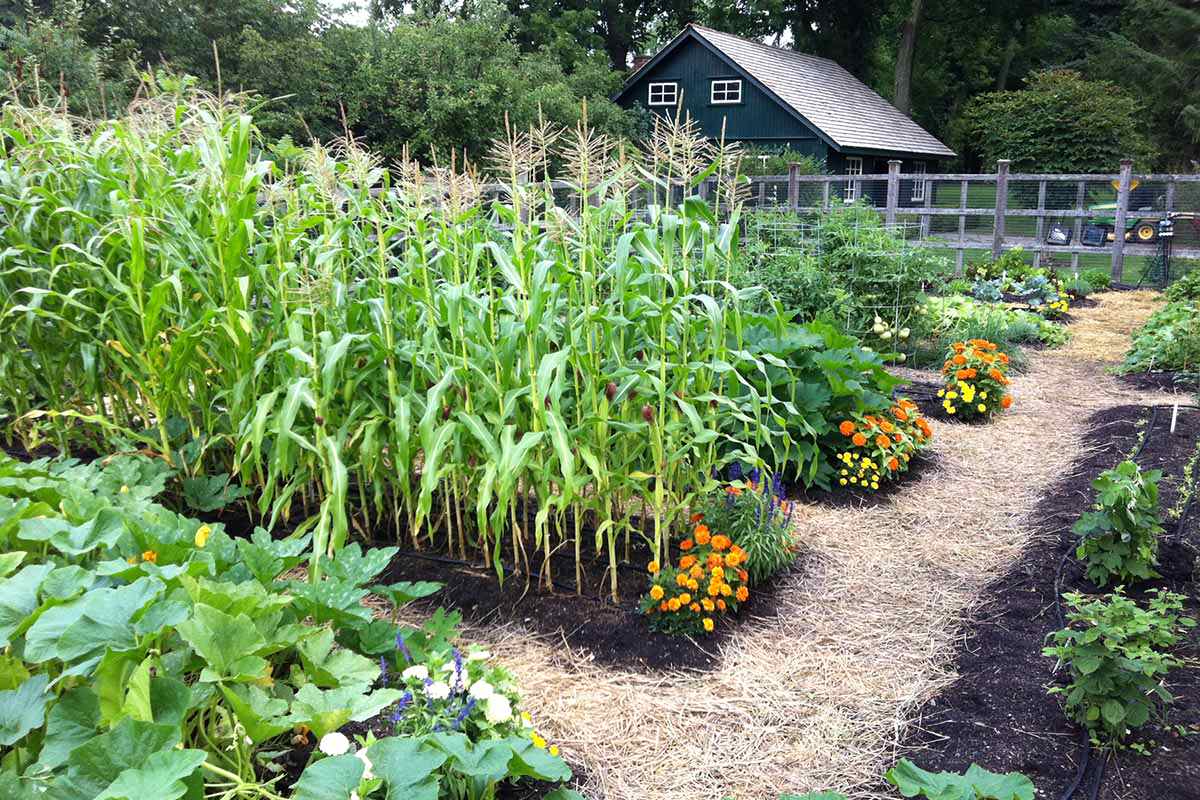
pixel 854 166
pixel 918 193
pixel 726 92
pixel 664 94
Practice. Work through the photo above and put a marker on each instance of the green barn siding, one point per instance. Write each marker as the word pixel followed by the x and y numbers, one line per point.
pixel 757 120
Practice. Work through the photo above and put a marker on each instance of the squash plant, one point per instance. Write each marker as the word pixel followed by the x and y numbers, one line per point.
pixel 148 654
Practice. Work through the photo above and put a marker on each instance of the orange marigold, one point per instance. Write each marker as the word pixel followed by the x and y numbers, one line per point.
pixel 887 427
pixel 652 567
pixel 702 536
pixel 721 542
pixel 663 606
pixel 697 517
pixel 847 428
pixel 900 414
pixel 720 604
pixel 1006 401
pixel 686 562
pixel 743 575
pixel 733 490
pixel 681 579
pixel 694 608
pixel 743 594
pixel 673 604
pixel 696 571
pixel 959 359
pixel 859 440
pixel 686 544
pixel 883 441
pixel 715 560
pixel 893 464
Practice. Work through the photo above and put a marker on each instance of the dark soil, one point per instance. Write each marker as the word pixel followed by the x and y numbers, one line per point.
pixel 998 713
pixel 590 624
pixel 1169 382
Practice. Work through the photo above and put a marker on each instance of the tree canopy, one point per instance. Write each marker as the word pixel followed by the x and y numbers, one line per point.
pixel 443 75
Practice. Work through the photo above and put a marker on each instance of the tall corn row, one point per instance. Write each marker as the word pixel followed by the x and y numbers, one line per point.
pixel 379 349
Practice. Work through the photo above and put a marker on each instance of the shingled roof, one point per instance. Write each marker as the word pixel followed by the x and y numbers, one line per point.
pixel 823 93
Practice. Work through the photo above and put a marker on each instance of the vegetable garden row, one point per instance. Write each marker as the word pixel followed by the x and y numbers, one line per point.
pixel 579 399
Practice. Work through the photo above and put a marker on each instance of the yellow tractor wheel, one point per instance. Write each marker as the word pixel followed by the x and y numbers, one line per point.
pixel 1145 232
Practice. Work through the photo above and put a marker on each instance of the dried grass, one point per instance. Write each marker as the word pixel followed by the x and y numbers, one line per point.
pixel 820 696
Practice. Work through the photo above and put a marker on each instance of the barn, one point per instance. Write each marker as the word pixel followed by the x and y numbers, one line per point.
pixel 773 98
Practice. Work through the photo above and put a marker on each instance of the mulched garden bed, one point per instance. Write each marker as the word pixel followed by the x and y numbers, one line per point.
pixel 998 713
pixel 1170 382
pixel 615 635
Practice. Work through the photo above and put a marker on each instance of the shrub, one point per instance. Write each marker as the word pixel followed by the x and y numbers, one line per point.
pixel 757 516
pixel 1078 286
pixel 1100 278
pixel 1010 264
pixel 1115 654
pixel 710 580
pixel 1120 536
pixel 1186 288
pixel 976 375
pixel 878 448
pixel 1169 341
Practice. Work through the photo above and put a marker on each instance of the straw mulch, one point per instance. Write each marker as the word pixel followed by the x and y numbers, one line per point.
pixel 818 697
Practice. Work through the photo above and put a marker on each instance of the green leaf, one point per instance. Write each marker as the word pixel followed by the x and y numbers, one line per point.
pixel 72 721
pixel 10 561
pixel 330 779
pixel 227 643
pixel 1113 712
pixel 405 592
pixel 534 762
pixel 355 567
pixel 328 667
pixel 262 716
pixel 19 598
pixel 100 619
pixel 912 781
pixel 94 765
pixel 486 760
pixel 160 777
pixel 102 530
pixel 23 709
pixel 408 767
pixel 326 711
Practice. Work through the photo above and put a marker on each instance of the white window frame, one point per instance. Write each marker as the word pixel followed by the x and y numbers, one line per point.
pixel 725 92
pixel 661 88
pixel 920 185
pixel 854 166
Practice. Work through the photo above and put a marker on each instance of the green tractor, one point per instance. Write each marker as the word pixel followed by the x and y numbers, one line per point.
pixel 1102 220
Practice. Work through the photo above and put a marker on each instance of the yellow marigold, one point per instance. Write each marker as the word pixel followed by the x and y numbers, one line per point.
pixel 656 592
pixel 696 571
pixel 726 591
pixel 681 579
pixel 673 604
pixel 694 608
pixel 708 605
pixel 733 559
pixel 718 572
pixel 684 599
pixel 708 624
pixel 652 567
pixel 714 589
pixel 693 585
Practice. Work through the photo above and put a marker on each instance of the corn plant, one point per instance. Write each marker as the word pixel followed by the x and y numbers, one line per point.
pixel 477 368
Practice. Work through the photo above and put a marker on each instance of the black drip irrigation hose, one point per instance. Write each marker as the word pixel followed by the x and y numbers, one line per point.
pixel 1099 764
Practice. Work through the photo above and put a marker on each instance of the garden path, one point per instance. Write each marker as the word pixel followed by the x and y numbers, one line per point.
pixel 818 696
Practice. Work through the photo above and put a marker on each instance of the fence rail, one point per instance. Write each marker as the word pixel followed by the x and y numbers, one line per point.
pixel 998 211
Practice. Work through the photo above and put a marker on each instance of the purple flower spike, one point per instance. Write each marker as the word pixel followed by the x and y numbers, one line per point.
pixel 462 715
pixel 735 471
pixel 402 647
pixel 383 671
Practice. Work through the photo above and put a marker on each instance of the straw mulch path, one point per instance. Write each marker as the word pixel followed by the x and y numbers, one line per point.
pixel 818 697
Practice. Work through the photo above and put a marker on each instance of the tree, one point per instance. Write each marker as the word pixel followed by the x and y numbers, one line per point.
pixel 1155 56
pixel 902 97
pixel 1059 122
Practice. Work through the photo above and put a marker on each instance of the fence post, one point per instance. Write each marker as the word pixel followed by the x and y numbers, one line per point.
pixel 1118 251
pixel 1080 197
pixel 893 190
pixel 793 186
pixel 1040 225
pixel 1001 206
pixel 960 255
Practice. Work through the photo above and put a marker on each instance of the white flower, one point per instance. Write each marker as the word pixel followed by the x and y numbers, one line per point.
pixel 448 666
pixel 479 655
pixel 361 755
pixel 438 690
pixel 334 744
pixel 482 690
pixel 420 672
pixel 498 709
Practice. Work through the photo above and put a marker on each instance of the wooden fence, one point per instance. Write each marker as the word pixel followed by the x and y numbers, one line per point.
pixel 998 211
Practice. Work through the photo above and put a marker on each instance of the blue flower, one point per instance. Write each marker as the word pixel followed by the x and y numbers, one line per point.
pixel 383 671
pixel 735 470
pixel 462 715
pixel 402 647
pixel 401 705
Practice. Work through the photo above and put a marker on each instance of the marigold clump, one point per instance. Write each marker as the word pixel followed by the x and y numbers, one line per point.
pixel 707 581
pixel 881 446
pixel 976 375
